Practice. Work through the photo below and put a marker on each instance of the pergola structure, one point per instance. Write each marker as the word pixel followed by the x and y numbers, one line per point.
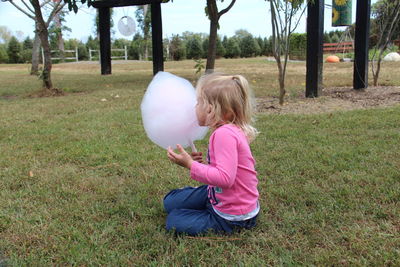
pixel 315 31
pixel 105 40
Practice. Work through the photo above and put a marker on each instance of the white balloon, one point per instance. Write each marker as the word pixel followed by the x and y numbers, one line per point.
pixel 168 111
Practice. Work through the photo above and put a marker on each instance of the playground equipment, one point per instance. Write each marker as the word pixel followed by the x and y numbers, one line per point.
pixel 315 32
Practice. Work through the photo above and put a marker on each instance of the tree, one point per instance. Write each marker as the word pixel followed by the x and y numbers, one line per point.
pixel 177 49
pixel 283 22
pixel 387 15
pixel 3 54
pixel 232 48
pixel 35 12
pixel 193 48
pixel 97 22
pixel 143 17
pixel 136 47
pixel 5 34
pixel 27 44
pixel 220 49
pixel 214 15
pixel 26 53
pixel 14 51
pixel 249 47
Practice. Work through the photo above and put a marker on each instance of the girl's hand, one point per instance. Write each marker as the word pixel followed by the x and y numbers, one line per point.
pixel 197 156
pixel 183 159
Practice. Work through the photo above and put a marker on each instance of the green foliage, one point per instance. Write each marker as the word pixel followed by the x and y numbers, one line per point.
pixel 26 55
pixel 199 65
pixel 220 49
pixel 5 34
pixel 261 46
pixel 193 48
pixel 205 46
pixel 71 44
pixel 136 48
pixel 3 54
pixel 249 47
pixel 14 51
pixel 177 49
pixel 93 43
pixel 267 46
pixel 27 44
pixel 83 53
pixel 144 21
pixel 232 48
pixel 298 45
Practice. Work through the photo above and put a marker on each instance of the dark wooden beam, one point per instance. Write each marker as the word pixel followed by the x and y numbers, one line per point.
pixel 315 33
pixel 157 41
pixel 120 3
pixel 361 46
pixel 105 40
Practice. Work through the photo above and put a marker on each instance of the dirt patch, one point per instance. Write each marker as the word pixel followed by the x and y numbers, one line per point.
pixel 333 99
pixel 47 93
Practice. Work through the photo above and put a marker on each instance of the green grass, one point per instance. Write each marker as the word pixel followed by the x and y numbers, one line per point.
pixel 329 183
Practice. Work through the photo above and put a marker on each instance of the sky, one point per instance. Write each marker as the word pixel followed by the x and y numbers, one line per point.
pixel 178 17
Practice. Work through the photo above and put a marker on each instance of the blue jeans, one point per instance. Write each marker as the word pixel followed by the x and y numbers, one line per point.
pixel 190 212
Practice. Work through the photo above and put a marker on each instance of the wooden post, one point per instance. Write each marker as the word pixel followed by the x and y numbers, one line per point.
pixel 156 23
pixel 361 46
pixel 105 40
pixel 315 33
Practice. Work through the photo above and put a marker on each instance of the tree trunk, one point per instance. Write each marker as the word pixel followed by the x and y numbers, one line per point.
pixel 214 16
pixel 378 69
pixel 35 54
pixel 212 47
pixel 60 39
pixel 281 79
pixel 212 41
pixel 44 39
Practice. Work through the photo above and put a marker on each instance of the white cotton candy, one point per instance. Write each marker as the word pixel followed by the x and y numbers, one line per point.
pixel 168 111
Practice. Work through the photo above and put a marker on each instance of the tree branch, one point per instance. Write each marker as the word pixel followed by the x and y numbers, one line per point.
pixel 223 11
pixel 22 10
pixel 28 7
pixel 57 8
pixel 44 3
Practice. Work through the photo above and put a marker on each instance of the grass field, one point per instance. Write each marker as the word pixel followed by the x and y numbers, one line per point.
pixel 80 183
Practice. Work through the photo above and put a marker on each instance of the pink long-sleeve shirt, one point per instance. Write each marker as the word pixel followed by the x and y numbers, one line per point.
pixel 230 174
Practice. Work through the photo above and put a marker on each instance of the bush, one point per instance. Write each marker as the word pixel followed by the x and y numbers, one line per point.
pixel 205 47
pixel 249 47
pixel 83 53
pixel 267 47
pixel 177 49
pixel 14 51
pixel 298 46
pixel 193 48
pixel 26 56
pixel 220 49
pixel 232 48
pixel 3 54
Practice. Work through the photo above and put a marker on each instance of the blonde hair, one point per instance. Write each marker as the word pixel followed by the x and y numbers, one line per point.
pixel 227 99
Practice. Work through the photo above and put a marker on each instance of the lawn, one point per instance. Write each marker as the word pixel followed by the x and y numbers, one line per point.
pixel 80 183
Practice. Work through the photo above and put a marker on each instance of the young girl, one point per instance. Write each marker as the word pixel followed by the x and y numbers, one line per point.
pixel 229 200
